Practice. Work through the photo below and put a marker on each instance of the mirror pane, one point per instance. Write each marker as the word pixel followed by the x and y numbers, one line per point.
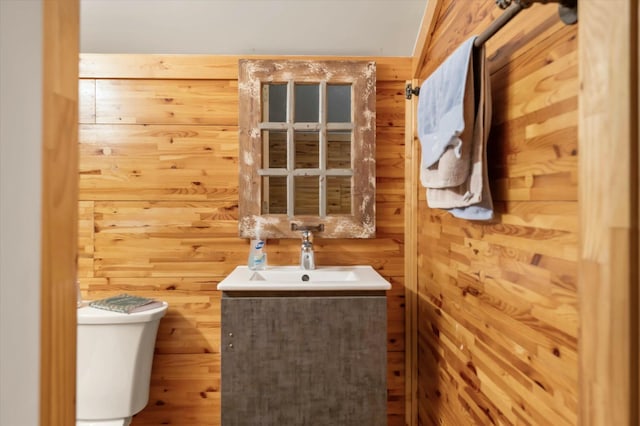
pixel 307 103
pixel 274 106
pixel 275 154
pixel 339 149
pixel 274 195
pixel 306 195
pixel 307 155
pixel 338 103
pixel 338 195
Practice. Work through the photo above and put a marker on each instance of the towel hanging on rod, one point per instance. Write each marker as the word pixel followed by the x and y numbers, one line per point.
pixel 567 9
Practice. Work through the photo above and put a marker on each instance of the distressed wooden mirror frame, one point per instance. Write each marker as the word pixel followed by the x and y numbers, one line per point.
pixel 361 76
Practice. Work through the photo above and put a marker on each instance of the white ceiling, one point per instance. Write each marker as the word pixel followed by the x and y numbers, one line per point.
pixel 260 27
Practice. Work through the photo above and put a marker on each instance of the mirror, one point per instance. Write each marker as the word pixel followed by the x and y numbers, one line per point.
pixel 307 147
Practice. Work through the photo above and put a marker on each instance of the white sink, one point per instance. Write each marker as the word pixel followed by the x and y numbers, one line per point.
pixel 293 278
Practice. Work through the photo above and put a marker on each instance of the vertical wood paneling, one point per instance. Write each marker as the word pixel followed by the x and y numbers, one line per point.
pixel 412 177
pixel 59 213
pixel 609 213
pixel 159 213
pixel 497 301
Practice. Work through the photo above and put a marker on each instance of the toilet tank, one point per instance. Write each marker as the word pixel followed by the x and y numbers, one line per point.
pixel 114 358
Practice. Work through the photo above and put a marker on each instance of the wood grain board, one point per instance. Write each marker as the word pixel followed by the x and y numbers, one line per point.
pixel 498 311
pixel 492 308
pixel 608 256
pixel 56 298
pixel 207 67
pixel 158 212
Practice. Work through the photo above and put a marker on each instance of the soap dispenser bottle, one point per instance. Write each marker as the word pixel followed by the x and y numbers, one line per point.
pixel 257 255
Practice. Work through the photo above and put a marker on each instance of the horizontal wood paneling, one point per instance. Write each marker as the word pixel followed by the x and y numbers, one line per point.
pixel 389 104
pixel 188 327
pixel 390 152
pixel 497 301
pixel 164 102
pixel 87 95
pixel 395 385
pixel 158 212
pixel 165 239
pixel 158 162
pixel 389 190
pixel 207 67
pixel 188 384
pixel 395 314
pixel 533 143
pixel 455 24
pixel 85 238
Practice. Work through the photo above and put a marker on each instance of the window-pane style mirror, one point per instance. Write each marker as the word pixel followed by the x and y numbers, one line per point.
pixel 307 150
pixel 339 195
pixel 274 195
pixel 306 195
pixel 275 156
pixel 338 103
pixel 306 100
pixel 275 96
pixel 307 147
pixel 339 149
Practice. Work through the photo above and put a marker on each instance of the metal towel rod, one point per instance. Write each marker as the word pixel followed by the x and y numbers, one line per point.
pixel 567 9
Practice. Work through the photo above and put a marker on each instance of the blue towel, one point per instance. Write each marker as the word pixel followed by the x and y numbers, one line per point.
pixel 453 132
pixel 446 102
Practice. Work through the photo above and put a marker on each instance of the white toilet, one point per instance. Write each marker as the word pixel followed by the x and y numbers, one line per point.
pixel 114 357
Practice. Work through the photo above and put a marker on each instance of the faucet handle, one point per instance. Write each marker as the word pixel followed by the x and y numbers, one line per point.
pixel 307 236
pixel 311 228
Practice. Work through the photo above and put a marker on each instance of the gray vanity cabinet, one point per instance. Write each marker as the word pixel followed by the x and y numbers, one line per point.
pixel 292 359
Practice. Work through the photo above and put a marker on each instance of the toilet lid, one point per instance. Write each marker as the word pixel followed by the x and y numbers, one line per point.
pixel 89 315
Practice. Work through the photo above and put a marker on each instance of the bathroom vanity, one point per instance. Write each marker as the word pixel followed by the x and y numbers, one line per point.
pixel 302 347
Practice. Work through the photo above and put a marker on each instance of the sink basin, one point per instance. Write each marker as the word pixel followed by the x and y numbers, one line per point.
pixel 293 278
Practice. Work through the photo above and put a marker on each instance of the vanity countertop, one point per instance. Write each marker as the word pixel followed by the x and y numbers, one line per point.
pixel 293 278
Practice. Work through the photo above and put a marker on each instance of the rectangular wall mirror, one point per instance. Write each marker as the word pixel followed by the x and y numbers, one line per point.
pixel 307 147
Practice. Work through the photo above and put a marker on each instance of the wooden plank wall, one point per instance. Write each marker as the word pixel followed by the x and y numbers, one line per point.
pixel 497 301
pixel 58 248
pixel 159 204
pixel 608 256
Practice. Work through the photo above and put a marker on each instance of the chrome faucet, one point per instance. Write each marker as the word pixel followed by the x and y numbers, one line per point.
pixel 307 257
